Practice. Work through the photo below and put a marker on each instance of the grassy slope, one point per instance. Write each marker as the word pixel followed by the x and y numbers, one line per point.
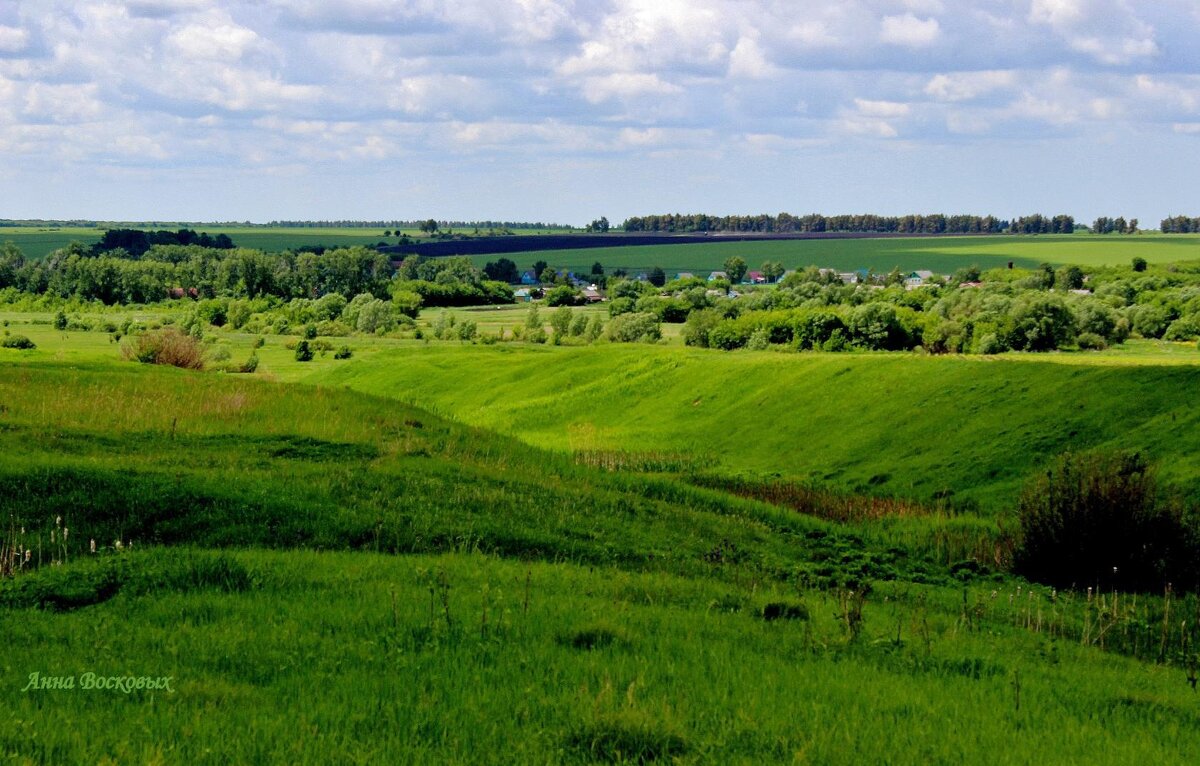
pixel 339 658
pixel 937 254
pixel 899 424
pixel 608 631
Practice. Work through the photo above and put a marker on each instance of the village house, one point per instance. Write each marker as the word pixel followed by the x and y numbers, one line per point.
pixel 917 279
pixel 755 278
pixel 713 277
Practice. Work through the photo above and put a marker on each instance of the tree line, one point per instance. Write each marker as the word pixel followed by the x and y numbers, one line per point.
pixel 1180 224
pixel 786 223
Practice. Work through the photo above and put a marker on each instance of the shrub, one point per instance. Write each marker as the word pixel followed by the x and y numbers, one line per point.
pixel 345 352
pixel 634 328
pixel 1139 264
pixel 1039 323
pixel 1184 328
pixel 19 342
pixel 310 331
pixel 1097 519
pixel 250 365
pixel 1090 341
pixel 304 352
pixel 467 330
pixel 759 340
pixel 60 321
pixel 1150 321
pixel 699 324
pixel 991 344
pixel 166 346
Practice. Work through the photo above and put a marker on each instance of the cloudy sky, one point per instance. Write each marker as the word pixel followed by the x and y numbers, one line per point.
pixel 565 110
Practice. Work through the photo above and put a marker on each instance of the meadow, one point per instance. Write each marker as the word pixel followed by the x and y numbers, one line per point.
pixel 446 552
pixel 325 575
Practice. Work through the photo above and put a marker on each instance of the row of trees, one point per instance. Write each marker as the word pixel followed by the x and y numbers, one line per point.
pixel 135 242
pixel 1180 224
pixel 189 270
pixel 1118 225
pixel 786 223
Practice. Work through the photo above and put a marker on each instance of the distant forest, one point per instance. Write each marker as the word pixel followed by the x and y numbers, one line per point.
pixel 786 223
pixel 417 224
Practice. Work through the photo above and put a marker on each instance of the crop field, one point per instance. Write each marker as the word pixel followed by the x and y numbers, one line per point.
pixel 938 254
pixel 40 242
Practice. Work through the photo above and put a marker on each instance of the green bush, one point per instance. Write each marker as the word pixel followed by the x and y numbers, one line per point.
pixel 634 328
pixel 19 342
pixel 304 352
pixel 1097 519
pixel 1092 342
pixel 344 352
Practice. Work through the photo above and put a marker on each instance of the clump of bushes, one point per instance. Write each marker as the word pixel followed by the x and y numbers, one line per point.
pixel 634 328
pixel 19 342
pixel 304 352
pixel 345 352
pixel 1100 519
pixel 166 346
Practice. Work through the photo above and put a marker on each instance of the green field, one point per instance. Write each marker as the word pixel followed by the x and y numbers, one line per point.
pixel 411 556
pixel 938 254
pixel 912 426
pixel 39 242
pixel 478 601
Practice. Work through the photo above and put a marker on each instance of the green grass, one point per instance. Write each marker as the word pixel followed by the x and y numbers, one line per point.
pixel 942 255
pixel 878 423
pixel 330 576
pixel 351 658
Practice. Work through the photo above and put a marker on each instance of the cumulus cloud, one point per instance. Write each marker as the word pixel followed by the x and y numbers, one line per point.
pixel 268 83
pixel 909 31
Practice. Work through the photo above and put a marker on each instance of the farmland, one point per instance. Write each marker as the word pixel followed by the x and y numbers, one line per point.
pixel 940 254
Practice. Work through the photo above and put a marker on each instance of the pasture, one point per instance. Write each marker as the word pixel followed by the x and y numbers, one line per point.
pixel 329 576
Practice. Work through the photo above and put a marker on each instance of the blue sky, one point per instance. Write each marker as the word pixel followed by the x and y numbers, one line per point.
pixel 559 110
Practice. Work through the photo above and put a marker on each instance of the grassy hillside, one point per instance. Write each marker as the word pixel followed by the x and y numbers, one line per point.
pixel 532 610
pixel 902 424
pixel 943 255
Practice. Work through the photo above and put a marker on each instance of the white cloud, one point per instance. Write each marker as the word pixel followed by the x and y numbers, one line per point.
pixel 886 109
pixel 964 86
pixel 626 85
pixel 13 39
pixel 909 31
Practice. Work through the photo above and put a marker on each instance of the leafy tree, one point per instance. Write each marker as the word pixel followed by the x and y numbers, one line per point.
pixel 772 270
pixel 735 267
pixel 657 276
pixel 597 269
pixel 429 226
pixel 1069 278
pixel 560 321
pixel 1039 322
pixel 503 270
pixel 1139 264
pixel 60 321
